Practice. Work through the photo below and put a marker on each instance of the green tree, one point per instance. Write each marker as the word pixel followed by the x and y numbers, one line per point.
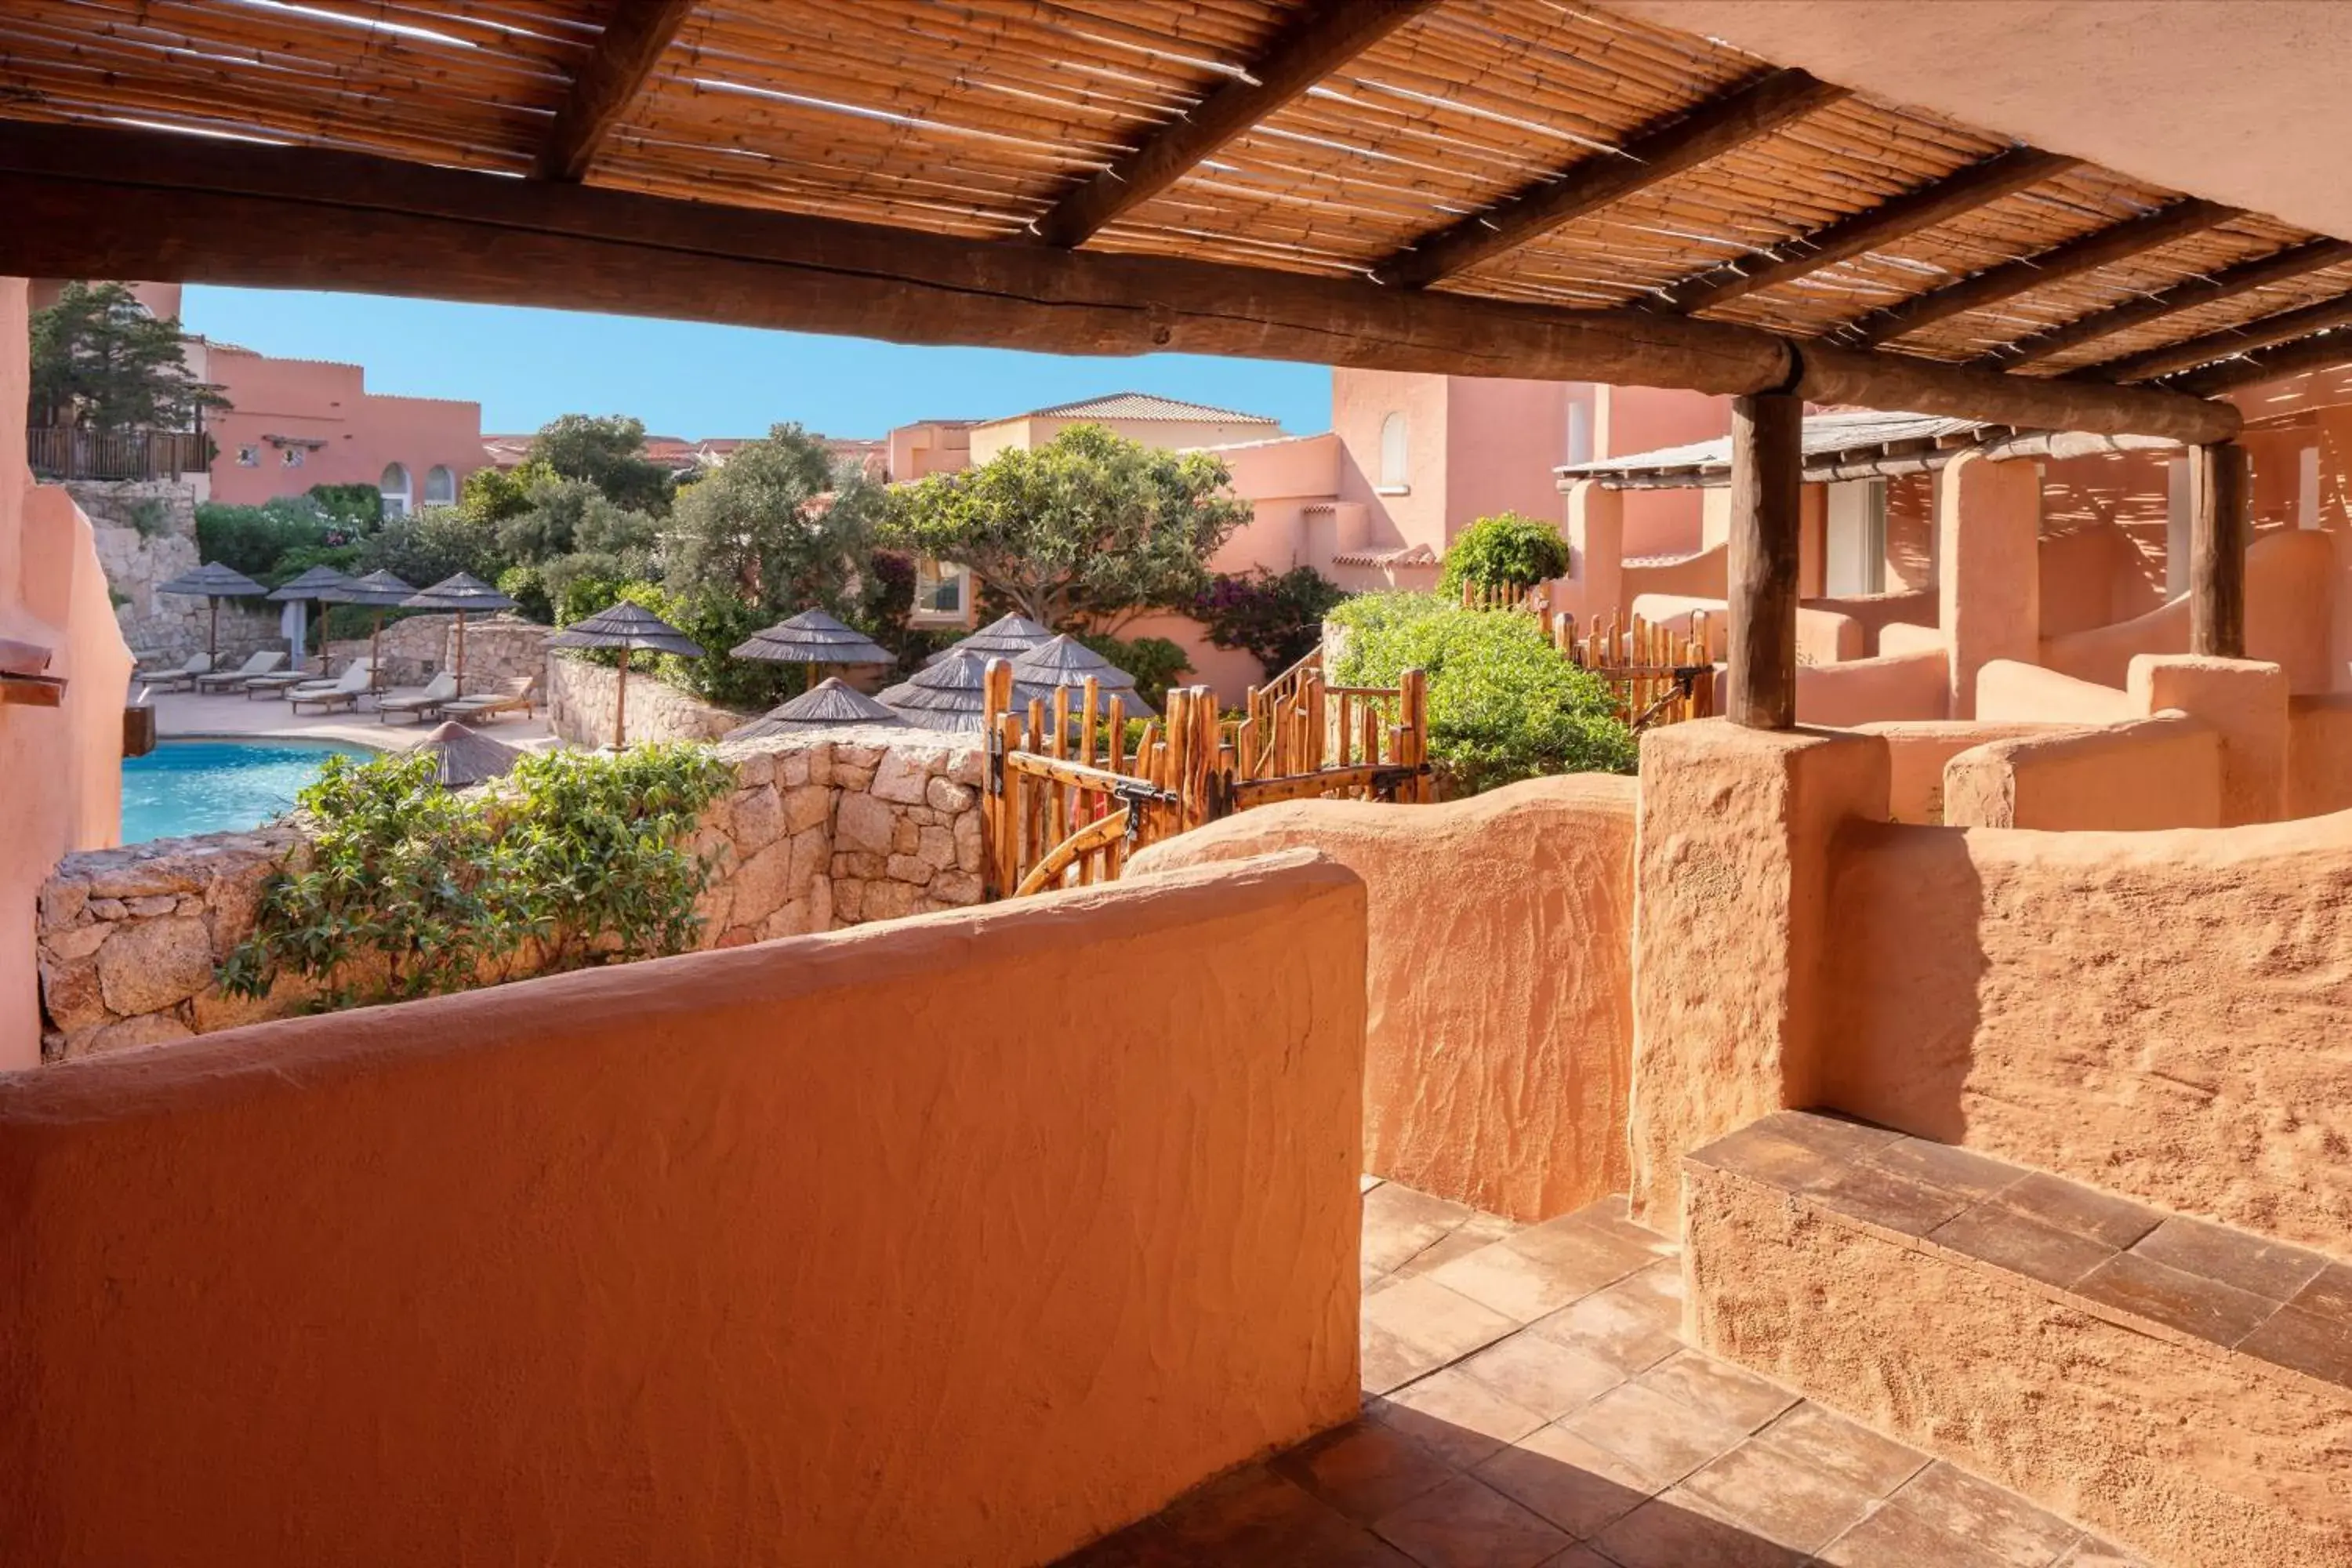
pixel 778 529
pixel 435 542
pixel 494 495
pixel 561 517
pixel 608 453
pixel 1505 551
pixel 1277 618
pixel 1089 524
pixel 101 361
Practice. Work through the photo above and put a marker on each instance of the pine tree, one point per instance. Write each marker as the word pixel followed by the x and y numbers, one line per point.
pixel 101 361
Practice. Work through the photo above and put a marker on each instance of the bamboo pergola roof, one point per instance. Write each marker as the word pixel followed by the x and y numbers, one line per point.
pixel 1624 178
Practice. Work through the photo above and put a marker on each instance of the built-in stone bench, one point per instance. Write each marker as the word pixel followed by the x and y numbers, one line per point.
pixel 2179 1387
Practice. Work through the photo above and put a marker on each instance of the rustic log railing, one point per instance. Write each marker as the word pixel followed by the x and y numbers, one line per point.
pixel 1660 676
pixel 58 452
pixel 1066 802
pixel 1504 596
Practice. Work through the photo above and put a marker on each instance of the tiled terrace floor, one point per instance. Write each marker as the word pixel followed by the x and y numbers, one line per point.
pixel 1528 1404
pixel 180 714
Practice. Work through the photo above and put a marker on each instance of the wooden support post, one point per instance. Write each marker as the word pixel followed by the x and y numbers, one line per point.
pixel 2219 486
pixel 1767 486
pixel 620 704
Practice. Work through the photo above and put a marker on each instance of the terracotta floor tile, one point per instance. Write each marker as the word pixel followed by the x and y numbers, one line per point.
pixel 1614 1215
pixel 2212 1310
pixel 1577 1485
pixel 1467 1524
pixel 2008 1239
pixel 1630 1325
pixel 1763 1155
pixel 1399 1223
pixel 1656 1435
pixel 1837 1136
pixel 1521 1287
pixel 1675 1529
pixel 2092 1554
pixel 1386 1362
pixel 1547 1376
pixel 1256 1517
pixel 1457 1418
pixel 1460 1244
pixel 1780 1496
pixel 1578 1557
pixel 1366 1183
pixel 1831 1444
pixel 1728 1393
pixel 2102 1216
pixel 1961 1170
pixel 2330 1295
pixel 1884 1198
pixel 1997 1523
pixel 1428 1317
pixel 1895 1537
pixel 1363 1469
pixel 1587 1255
pixel 2318 1346
pixel 2269 1268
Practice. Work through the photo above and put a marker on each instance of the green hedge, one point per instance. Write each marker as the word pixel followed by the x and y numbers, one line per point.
pixel 1506 551
pixel 1504 704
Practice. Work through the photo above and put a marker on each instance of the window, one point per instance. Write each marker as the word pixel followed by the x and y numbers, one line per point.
pixel 1396 474
pixel 440 486
pixel 2306 488
pixel 1857 544
pixel 943 595
pixel 248 457
pixel 394 488
pixel 2176 528
pixel 1579 432
pixel 291 457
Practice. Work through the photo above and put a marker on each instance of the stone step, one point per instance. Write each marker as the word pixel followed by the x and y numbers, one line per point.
pixel 2182 1388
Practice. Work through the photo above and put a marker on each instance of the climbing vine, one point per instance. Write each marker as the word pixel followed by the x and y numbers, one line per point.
pixel 410 890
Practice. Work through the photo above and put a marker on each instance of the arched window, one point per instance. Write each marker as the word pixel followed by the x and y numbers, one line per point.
pixel 1394 469
pixel 440 486
pixel 394 488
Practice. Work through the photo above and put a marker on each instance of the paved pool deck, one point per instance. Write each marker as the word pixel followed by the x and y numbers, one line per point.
pixel 181 716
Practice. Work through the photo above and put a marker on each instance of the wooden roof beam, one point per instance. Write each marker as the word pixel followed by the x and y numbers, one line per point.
pixel 2191 352
pixel 2085 253
pixel 1708 130
pixel 107 202
pixel 624 54
pixel 1325 35
pixel 2003 174
pixel 2279 267
pixel 2323 351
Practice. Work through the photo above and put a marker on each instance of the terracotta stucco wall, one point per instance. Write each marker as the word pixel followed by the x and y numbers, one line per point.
pixel 2159 1014
pixel 2290 576
pixel 1361 401
pixel 63 764
pixel 323 401
pixel 1501 989
pixel 1505 439
pixel 823 1251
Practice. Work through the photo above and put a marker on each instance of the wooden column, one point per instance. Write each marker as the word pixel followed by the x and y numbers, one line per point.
pixel 2218 484
pixel 1766 489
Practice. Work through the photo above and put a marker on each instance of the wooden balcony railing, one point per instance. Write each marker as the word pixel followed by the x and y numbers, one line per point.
pixel 65 453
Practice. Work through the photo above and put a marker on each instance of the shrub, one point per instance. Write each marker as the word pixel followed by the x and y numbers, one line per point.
pixel 358 507
pixel 433 542
pixel 259 541
pixel 1156 663
pixel 409 889
pixel 1506 551
pixel 527 586
pixel 1504 704
pixel 1278 620
pixel 715 621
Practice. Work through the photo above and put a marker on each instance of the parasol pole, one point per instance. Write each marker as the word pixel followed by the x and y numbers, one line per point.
pixel 212 643
pixel 375 652
pixel 621 704
pixel 461 653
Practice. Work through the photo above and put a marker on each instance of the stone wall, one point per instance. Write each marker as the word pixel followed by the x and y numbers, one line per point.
pixel 416 647
pixel 146 534
pixel 820 832
pixel 580 706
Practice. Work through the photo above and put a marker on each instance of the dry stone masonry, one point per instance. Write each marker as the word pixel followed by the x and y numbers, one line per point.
pixel 820 832
pixel 580 706
pixel 145 531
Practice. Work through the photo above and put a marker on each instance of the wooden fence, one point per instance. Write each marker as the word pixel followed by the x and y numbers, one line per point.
pixel 1504 596
pixel 1660 676
pixel 64 453
pixel 1067 800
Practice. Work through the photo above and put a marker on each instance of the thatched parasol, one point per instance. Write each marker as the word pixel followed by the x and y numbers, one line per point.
pixel 310 588
pixel 1067 661
pixel 467 757
pixel 949 694
pixel 215 582
pixel 467 594
pixel 814 638
pixel 830 704
pixel 1007 637
pixel 626 626
pixel 379 591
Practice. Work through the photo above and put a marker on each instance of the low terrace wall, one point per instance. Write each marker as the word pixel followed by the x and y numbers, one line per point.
pixel 580 697
pixel 1499 978
pixel 904 1246
pixel 414 649
pixel 819 833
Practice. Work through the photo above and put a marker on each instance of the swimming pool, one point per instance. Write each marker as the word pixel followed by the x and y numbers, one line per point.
pixel 218 786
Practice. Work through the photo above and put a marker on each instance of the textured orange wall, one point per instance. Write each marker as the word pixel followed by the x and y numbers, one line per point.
pixel 959 1240
pixel 2159 772
pixel 1500 991
pixel 2290 576
pixel 2159 1014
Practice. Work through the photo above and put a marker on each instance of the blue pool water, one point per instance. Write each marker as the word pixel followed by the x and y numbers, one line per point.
pixel 218 786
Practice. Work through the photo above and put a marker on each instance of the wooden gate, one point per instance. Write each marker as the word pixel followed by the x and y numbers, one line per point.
pixel 1660 676
pixel 1067 799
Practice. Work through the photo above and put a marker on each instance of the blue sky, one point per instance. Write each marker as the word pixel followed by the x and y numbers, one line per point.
pixel 689 379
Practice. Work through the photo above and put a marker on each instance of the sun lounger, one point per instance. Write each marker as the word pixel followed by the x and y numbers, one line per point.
pixel 181 678
pixel 278 683
pixel 263 663
pixel 442 688
pixel 511 695
pixel 342 692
